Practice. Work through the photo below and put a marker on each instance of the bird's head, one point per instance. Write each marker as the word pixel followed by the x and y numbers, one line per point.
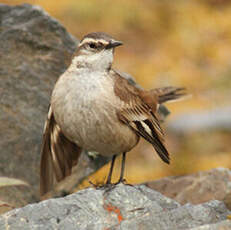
pixel 96 51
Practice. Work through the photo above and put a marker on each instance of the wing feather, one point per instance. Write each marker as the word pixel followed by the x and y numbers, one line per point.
pixel 140 116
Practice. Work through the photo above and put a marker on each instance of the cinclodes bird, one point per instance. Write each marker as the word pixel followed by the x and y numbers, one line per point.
pixel 94 108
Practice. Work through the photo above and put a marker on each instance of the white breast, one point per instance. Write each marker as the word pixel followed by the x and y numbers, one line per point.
pixel 85 108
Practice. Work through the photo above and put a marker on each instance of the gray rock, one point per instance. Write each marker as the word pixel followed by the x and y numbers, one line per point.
pixel 223 225
pixel 34 50
pixel 124 207
pixel 196 188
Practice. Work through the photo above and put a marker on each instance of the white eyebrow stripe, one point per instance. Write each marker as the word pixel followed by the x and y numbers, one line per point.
pixel 88 40
pixel 102 41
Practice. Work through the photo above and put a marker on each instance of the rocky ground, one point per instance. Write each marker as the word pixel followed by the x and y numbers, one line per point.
pixel 124 207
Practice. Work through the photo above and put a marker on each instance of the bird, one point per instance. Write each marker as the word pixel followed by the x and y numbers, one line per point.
pixel 93 107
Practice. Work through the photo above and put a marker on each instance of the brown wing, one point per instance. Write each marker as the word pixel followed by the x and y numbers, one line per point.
pixel 162 95
pixel 138 112
pixel 59 155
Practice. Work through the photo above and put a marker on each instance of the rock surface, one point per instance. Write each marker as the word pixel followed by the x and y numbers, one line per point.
pixel 34 51
pixel 196 188
pixel 124 207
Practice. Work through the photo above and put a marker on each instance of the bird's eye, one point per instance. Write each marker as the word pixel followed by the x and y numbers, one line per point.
pixel 92 45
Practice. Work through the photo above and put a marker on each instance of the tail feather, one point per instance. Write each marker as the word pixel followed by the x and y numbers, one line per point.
pixel 169 94
pixel 59 155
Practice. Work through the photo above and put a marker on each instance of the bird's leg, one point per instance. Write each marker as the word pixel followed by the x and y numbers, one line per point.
pixel 122 169
pixel 111 169
pixel 109 185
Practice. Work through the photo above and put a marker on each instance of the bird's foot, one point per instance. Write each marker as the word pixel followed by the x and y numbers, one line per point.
pixel 123 181
pixel 109 185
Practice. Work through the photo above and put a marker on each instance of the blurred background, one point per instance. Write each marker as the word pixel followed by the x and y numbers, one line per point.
pixel 178 43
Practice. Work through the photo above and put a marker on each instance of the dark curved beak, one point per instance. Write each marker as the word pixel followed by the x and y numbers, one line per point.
pixel 113 44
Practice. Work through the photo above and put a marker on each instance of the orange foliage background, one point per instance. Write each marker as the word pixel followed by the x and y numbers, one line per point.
pixel 180 43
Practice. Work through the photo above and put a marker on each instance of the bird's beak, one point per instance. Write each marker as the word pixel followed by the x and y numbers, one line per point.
pixel 113 44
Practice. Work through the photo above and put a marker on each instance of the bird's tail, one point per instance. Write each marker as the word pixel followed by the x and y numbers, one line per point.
pixel 169 94
pixel 59 155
